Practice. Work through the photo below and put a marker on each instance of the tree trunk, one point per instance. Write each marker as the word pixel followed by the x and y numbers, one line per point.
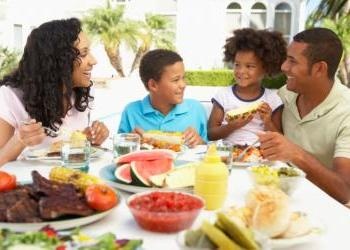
pixel 115 60
pixel 139 54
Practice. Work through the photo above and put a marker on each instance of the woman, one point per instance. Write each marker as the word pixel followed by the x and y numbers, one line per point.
pixel 50 88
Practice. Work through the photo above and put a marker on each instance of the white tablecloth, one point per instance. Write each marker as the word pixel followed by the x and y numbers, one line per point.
pixel 309 198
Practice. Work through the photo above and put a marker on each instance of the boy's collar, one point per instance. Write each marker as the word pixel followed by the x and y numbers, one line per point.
pixel 147 107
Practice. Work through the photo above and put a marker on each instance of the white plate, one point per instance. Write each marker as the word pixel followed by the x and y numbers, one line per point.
pixel 286 243
pixel 107 173
pixel 41 155
pixel 58 224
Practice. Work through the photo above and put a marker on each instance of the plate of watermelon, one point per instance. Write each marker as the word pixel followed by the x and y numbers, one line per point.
pixel 149 170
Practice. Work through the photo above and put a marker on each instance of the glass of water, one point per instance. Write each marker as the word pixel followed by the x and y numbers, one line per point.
pixel 125 143
pixel 76 154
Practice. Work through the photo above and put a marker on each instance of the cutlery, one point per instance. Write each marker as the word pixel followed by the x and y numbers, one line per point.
pixel 48 130
pixel 240 156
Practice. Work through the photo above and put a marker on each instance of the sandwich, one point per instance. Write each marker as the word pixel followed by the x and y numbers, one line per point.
pixel 243 112
pixel 55 148
pixel 163 140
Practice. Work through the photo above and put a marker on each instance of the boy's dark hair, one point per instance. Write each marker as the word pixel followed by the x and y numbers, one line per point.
pixel 322 45
pixel 153 63
pixel 268 46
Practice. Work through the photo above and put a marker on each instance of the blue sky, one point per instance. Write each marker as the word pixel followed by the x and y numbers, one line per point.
pixel 311 5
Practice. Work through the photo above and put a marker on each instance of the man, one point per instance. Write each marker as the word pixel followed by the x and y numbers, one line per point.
pixel 315 114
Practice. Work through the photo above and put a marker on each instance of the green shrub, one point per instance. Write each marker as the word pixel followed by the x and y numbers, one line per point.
pixel 8 61
pixel 209 77
pixel 224 77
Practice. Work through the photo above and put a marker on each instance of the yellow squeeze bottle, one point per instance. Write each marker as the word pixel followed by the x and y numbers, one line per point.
pixel 211 179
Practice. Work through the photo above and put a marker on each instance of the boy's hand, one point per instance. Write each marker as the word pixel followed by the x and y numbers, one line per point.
pixel 191 137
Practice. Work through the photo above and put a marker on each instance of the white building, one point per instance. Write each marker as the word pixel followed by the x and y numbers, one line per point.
pixel 201 25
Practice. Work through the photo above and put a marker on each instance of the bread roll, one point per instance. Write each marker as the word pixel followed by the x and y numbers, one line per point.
pixel 270 210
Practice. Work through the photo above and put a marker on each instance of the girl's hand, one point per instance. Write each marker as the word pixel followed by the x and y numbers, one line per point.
pixel 265 113
pixel 97 133
pixel 191 137
pixel 31 133
pixel 240 121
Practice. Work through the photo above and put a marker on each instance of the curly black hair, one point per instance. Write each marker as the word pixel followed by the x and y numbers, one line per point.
pixel 44 73
pixel 153 63
pixel 268 46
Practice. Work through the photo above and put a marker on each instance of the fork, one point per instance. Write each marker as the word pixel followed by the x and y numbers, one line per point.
pixel 47 130
pixel 240 156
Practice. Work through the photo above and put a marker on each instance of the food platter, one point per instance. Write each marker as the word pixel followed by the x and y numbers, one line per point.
pixel 290 242
pixel 316 231
pixel 107 173
pixel 57 224
pixel 41 154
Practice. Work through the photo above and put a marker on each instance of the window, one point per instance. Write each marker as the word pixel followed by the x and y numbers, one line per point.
pixel 233 17
pixel 283 15
pixel 258 16
pixel 18 36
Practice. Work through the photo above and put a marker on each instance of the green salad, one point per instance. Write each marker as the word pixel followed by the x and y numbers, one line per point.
pixel 49 239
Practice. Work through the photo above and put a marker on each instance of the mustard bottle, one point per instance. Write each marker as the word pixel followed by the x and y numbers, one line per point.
pixel 211 179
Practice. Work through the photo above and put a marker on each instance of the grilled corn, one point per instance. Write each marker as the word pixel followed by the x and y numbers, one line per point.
pixel 79 179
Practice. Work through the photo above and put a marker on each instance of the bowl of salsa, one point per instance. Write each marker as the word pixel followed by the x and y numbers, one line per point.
pixel 165 211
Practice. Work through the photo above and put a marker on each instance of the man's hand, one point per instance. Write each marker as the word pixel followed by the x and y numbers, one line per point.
pixel 275 146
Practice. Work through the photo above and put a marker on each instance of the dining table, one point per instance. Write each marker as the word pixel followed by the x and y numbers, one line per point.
pixel 333 217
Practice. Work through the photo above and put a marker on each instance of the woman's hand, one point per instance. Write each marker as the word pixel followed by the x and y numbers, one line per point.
pixel 97 133
pixel 31 133
pixel 191 137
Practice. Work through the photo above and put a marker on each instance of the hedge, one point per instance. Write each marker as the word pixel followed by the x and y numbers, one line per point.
pixel 224 77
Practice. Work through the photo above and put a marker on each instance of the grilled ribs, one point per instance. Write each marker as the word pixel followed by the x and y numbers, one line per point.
pixel 42 200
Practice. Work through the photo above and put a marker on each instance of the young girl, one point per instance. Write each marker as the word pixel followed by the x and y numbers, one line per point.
pixel 254 54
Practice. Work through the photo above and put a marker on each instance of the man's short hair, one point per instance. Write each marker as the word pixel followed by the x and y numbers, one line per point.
pixel 153 63
pixel 323 45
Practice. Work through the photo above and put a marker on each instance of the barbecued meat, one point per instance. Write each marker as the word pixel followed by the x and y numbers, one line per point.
pixel 46 187
pixel 18 206
pixel 42 200
pixel 24 210
pixel 54 207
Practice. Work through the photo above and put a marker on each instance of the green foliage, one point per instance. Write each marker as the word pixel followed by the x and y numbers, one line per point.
pixel 224 77
pixel 8 61
pixel 209 77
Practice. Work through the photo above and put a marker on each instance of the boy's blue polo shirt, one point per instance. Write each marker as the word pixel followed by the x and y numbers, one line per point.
pixel 141 114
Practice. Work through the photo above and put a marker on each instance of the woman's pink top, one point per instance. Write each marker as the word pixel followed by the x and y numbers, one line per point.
pixel 13 112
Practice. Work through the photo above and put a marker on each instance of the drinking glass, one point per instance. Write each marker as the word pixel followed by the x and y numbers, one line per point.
pixel 76 154
pixel 224 149
pixel 125 143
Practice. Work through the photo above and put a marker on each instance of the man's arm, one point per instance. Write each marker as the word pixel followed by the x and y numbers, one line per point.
pixel 335 182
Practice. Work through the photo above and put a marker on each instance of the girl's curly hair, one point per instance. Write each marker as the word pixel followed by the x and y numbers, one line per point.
pixel 268 46
pixel 44 73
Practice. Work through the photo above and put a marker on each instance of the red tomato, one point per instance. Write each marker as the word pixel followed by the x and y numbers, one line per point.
pixel 7 181
pixel 100 197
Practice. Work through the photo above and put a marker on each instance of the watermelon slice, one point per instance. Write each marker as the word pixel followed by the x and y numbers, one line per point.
pixel 141 171
pixel 123 174
pixel 145 155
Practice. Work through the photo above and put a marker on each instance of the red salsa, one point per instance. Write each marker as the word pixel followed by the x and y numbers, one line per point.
pixel 165 211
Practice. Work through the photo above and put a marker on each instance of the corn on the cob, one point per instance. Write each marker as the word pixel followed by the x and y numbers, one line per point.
pixel 79 179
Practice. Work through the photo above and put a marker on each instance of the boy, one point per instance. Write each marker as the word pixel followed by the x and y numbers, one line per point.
pixel 162 72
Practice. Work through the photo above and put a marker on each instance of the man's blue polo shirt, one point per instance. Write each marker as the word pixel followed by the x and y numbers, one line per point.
pixel 141 114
